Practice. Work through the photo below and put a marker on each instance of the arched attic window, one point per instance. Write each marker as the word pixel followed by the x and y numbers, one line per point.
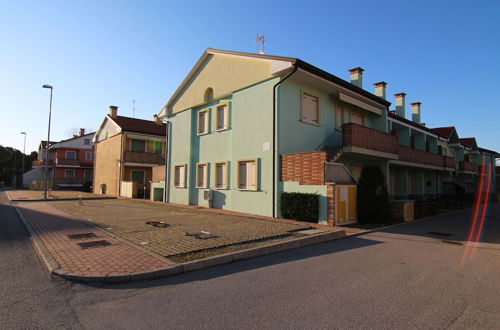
pixel 209 95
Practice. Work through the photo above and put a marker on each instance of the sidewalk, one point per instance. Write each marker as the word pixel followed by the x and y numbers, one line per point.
pixel 53 227
pixel 23 195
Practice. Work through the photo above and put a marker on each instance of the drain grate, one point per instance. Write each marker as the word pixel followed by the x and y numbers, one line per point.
pixel 201 234
pixel 93 244
pixel 84 235
pixel 157 224
pixel 437 233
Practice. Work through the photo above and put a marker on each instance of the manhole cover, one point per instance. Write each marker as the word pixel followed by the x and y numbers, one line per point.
pixel 201 234
pixel 84 235
pixel 157 224
pixel 437 233
pixel 93 244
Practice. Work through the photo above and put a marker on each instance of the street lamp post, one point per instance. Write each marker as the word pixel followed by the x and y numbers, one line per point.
pixel 24 156
pixel 47 146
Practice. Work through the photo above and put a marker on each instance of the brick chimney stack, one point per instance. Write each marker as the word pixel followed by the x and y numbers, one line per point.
pixel 357 76
pixel 380 88
pixel 113 111
pixel 82 131
pixel 157 120
pixel 400 104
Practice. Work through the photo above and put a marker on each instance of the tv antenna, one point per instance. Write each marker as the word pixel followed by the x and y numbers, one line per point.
pixel 259 41
pixel 133 108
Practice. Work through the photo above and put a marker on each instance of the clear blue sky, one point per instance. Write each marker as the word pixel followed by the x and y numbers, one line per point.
pixel 445 54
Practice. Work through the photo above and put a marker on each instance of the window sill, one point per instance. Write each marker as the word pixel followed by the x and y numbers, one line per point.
pixel 222 129
pixel 309 123
pixel 221 188
pixel 179 187
pixel 203 133
pixel 197 187
pixel 246 189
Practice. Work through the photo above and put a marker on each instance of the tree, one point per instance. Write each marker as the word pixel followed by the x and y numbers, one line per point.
pixel 373 199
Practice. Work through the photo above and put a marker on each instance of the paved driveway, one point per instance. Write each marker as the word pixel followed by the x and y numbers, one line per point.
pixel 127 218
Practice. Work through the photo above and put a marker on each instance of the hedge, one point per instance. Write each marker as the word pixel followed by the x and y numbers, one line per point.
pixel 300 206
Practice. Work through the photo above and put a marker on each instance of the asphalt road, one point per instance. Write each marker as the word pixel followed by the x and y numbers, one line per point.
pixel 398 278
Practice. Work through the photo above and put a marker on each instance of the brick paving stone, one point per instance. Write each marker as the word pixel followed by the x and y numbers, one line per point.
pixel 128 219
pixel 53 227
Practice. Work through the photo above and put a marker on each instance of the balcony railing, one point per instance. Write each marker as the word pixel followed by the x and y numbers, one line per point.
pixel 363 137
pixel 144 158
pixel 65 161
pixel 63 180
pixel 467 166
pixel 408 154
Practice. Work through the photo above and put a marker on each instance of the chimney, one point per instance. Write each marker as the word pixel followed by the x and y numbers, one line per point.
pixel 82 131
pixel 400 104
pixel 113 111
pixel 357 76
pixel 380 89
pixel 157 120
pixel 415 112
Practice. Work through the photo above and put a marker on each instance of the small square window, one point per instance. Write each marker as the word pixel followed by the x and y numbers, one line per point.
pixel 180 176
pixel 71 155
pixel 222 117
pixel 309 109
pixel 69 174
pixel 86 142
pixel 247 174
pixel 203 122
pixel 201 175
pixel 157 147
pixel 221 175
pixel 137 145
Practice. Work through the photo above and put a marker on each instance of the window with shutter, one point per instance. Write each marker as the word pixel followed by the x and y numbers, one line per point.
pixel 222 117
pixel 201 175
pixel 221 175
pixel 203 122
pixel 179 176
pixel 247 175
pixel 309 112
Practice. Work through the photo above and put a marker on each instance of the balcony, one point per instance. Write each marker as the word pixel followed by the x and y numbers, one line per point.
pixel 63 180
pixel 464 166
pixel 354 135
pixel 144 158
pixel 408 154
pixel 68 162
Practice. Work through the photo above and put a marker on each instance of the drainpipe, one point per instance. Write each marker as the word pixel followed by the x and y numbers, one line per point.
pixel 274 137
pixel 166 189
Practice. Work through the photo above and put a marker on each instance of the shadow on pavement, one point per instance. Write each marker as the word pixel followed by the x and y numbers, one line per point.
pixel 247 265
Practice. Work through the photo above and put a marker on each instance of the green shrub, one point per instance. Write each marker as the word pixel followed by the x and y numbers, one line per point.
pixel 300 206
pixel 373 199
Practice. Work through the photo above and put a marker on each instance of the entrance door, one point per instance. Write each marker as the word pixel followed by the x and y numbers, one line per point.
pixel 345 204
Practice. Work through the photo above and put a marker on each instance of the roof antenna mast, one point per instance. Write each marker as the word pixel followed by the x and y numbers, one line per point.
pixel 259 41
pixel 133 108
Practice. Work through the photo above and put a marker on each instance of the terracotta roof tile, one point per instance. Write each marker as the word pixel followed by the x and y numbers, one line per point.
pixel 140 125
pixel 443 131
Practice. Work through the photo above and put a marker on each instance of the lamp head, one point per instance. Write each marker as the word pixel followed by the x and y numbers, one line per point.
pixel 47 86
pixel 23 133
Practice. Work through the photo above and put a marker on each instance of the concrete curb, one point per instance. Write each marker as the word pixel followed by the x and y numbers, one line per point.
pixel 53 267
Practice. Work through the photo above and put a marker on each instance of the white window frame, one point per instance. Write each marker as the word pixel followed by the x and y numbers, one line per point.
pixel 181 183
pixel 225 126
pixel 207 122
pixel 69 151
pixel 256 175
pixel 224 175
pixel 87 157
pixel 303 118
pixel 69 170
pixel 203 184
